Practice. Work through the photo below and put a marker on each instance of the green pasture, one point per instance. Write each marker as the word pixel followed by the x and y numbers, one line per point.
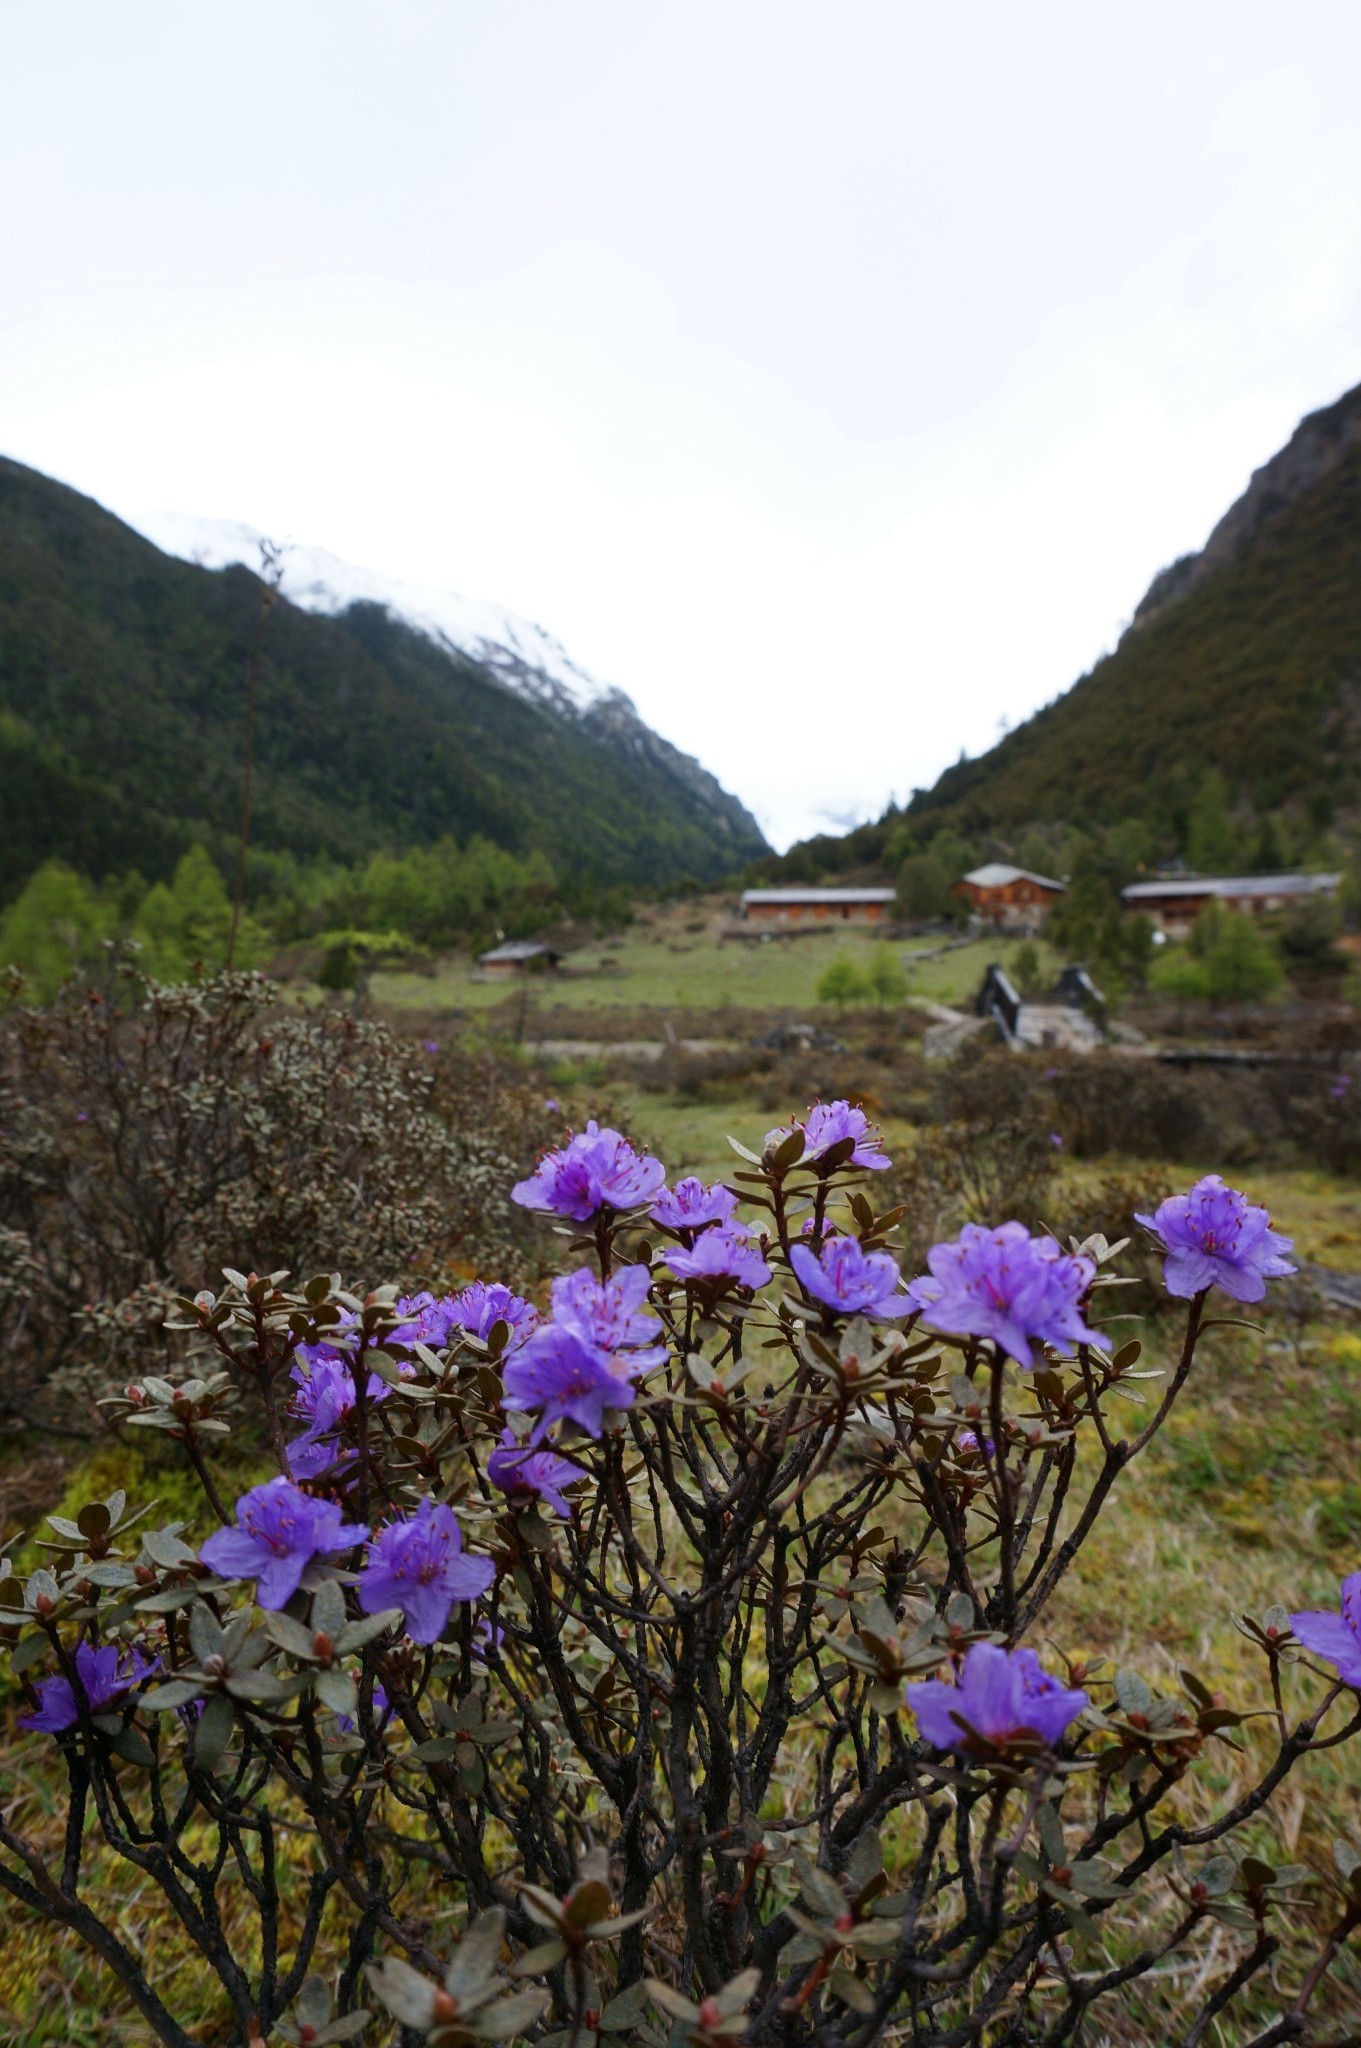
pixel 664 965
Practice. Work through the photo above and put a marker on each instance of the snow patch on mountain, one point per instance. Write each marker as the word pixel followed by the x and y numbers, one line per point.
pixel 526 658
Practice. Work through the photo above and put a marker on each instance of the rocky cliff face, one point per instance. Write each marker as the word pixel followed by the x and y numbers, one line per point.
pixel 1319 445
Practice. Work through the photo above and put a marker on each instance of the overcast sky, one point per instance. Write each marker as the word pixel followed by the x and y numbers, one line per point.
pixel 832 377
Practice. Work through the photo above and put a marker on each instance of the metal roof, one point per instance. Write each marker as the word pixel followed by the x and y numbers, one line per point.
pixel 774 896
pixel 997 874
pixel 1233 885
pixel 516 949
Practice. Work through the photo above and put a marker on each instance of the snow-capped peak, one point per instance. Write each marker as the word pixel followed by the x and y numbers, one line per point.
pixel 526 658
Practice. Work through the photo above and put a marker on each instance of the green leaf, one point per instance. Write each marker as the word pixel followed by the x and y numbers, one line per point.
pixel 336 1689
pixel 313 2003
pixel 205 1632
pixel 625 2009
pixel 545 1955
pixel 743 1153
pixel 133 1747
pixel 176 1692
pixel 510 2016
pixel 476 1956
pixel 1132 1692
pixel 328 1609
pixel 347 2029
pixel 407 1995
pixel 28 1651
pixel 213 1731
pixel 356 1634
pixel 851 1990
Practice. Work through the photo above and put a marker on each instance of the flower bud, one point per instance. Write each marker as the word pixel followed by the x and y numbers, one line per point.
pixel 844 1923
pixel 709 2014
pixel 445 2007
pixel 322 1646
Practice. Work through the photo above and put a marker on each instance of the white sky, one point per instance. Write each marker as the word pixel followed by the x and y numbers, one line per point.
pixel 832 377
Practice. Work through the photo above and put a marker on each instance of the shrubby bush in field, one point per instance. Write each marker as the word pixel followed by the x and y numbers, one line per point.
pixel 149 1134
pixel 691 1635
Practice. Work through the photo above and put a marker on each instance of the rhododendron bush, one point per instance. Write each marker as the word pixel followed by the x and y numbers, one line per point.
pixel 673 1659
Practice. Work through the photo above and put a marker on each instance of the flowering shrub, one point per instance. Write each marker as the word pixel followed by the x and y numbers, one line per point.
pixel 691 1641
pixel 151 1135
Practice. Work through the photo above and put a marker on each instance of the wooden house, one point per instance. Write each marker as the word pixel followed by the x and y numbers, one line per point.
pixel 1010 899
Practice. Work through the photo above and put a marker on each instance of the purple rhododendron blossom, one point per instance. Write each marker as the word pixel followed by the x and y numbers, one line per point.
pixel 425 1320
pixel 325 1395
pixel 1007 1285
pixel 487 1640
pixel 720 1255
pixel 1002 1697
pixel 1215 1237
pixel 610 1314
pixel 597 1169
pixel 827 1123
pixel 279 1530
pixel 418 1565
pixel 968 1441
pixel 691 1206
pixel 106 1674
pixel 518 1468
pixel 1336 1637
pixel 488 1302
pixel 561 1378
pixel 849 1279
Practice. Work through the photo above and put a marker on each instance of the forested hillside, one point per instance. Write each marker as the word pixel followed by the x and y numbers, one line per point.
pixel 1243 660
pixel 122 693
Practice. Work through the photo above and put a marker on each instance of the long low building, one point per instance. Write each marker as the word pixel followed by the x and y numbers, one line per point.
pixel 817 906
pixel 1175 902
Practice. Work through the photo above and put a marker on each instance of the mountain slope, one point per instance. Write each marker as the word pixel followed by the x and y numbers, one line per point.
pixel 524 657
pixel 122 682
pixel 1245 658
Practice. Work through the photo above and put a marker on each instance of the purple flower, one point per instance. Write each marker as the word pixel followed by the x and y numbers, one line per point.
pixel 563 1379
pixel 1336 1637
pixel 597 1169
pixel 419 1566
pixel 609 1314
pixel 1002 1698
pixel 968 1441
pixel 827 1123
pixel 690 1206
pixel 518 1469
pixel 325 1396
pixel 426 1320
pixel 280 1529
pixel 1215 1237
pixel 1340 1087
pixel 105 1676
pixel 721 1257
pixel 849 1279
pixel 487 1640
pixel 479 1307
pixel 552 1105
pixel 1056 1140
pixel 1007 1285
pixel 430 1044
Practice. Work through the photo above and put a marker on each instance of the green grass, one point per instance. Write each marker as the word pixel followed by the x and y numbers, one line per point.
pixel 661 963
